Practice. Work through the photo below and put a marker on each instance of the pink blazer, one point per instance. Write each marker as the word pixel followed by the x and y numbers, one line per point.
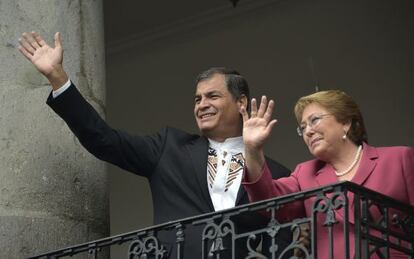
pixel 388 170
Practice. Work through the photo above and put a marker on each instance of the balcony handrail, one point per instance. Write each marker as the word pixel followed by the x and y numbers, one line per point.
pixel 346 186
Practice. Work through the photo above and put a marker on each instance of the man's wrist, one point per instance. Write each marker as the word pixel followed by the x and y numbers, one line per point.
pixel 63 88
pixel 57 77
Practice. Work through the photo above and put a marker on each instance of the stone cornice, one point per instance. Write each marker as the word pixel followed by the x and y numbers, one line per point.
pixel 186 24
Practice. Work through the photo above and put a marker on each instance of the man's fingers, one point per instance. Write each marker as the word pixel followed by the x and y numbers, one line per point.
pixel 30 41
pixel 24 44
pixel 34 41
pixel 40 41
pixel 58 40
pixel 25 53
pixel 262 107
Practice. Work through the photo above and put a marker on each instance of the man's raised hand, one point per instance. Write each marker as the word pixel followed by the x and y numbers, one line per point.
pixel 48 60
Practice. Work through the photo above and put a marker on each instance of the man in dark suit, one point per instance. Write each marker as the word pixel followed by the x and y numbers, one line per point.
pixel 188 174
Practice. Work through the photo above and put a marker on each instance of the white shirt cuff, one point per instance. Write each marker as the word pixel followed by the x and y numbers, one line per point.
pixel 63 88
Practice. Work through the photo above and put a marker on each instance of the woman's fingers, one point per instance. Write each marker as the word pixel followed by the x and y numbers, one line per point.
pixel 269 111
pixel 265 110
pixel 262 107
pixel 244 113
pixel 253 108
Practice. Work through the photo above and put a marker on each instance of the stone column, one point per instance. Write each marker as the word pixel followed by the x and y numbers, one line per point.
pixel 53 193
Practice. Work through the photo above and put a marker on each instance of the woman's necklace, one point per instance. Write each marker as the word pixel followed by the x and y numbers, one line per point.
pixel 351 166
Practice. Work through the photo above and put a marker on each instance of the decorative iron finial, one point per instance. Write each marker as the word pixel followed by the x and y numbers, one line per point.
pixel 234 2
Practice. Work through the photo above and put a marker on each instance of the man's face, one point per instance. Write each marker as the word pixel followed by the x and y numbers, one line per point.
pixel 216 111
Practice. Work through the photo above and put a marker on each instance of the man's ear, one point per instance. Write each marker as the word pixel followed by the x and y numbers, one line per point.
pixel 243 101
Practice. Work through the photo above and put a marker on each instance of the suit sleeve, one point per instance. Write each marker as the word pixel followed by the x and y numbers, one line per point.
pixel 136 154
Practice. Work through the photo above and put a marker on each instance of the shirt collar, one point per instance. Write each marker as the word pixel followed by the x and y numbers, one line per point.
pixel 230 144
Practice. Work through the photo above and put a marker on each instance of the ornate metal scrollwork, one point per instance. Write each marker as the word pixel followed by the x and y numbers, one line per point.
pixel 252 253
pixel 149 246
pixel 214 235
pixel 296 247
pixel 328 206
pixel 406 223
pixel 380 225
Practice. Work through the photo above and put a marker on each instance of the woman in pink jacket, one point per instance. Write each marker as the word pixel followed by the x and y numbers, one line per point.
pixel 332 127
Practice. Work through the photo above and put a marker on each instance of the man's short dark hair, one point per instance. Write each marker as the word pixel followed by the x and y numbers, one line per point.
pixel 236 84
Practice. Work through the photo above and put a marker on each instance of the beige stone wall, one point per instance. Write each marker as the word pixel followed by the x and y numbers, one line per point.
pixel 52 192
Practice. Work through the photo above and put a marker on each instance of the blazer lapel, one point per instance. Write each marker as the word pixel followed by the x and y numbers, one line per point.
pixel 198 153
pixel 365 169
pixel 367 164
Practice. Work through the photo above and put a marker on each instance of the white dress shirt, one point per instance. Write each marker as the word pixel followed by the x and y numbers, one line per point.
pixel 224 171
pixel 59 91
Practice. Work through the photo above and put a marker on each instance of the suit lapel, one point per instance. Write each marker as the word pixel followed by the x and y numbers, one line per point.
pixel 241 194
pixel 198 153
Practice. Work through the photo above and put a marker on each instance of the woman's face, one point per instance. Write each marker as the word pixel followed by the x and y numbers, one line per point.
pixel 322 133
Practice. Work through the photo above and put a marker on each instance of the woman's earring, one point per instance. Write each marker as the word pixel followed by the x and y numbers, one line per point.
pixel 345 135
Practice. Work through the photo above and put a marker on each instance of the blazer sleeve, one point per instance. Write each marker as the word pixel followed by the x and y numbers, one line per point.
pixel 136 154
pixel 265 188
pixel 408 172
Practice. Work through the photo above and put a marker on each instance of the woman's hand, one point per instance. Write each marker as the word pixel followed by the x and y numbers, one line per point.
pixel 258 126
pixel 256 129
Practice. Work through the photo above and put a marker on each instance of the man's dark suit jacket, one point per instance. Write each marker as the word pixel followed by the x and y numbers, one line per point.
pixel 173 161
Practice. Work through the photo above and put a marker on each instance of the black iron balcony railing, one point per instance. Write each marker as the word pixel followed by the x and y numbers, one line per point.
pixel 380 225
